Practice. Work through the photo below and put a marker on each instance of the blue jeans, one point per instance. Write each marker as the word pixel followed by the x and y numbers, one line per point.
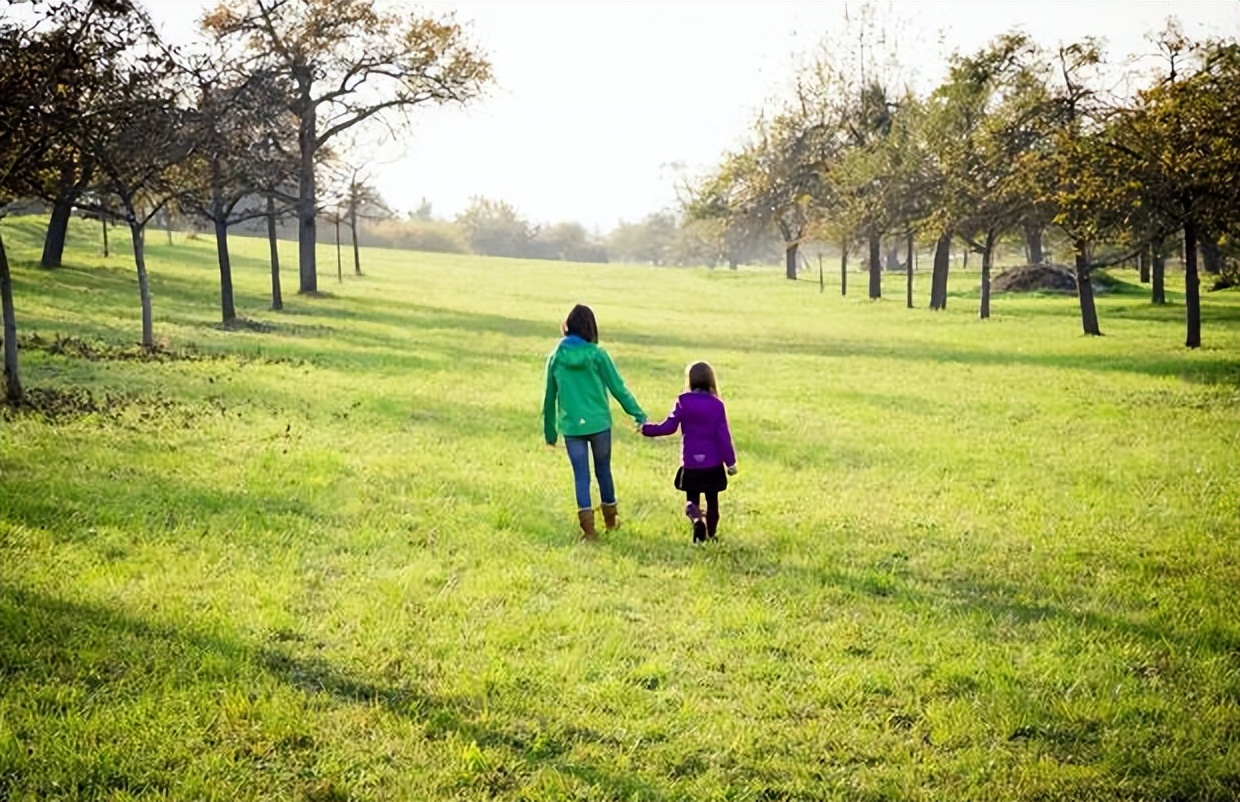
pixel 579 449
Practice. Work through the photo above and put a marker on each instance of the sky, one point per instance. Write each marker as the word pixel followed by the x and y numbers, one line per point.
pixel 599 107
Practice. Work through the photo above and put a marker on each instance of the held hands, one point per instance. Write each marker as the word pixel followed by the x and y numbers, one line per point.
pixel 731 470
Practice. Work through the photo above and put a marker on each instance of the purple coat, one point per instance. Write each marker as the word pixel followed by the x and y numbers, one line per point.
pixel 706 441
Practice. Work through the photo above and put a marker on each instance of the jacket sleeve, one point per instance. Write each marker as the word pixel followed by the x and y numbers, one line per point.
pixel 668 426
pixel 611 378
pixel 549 395
pixel 725 439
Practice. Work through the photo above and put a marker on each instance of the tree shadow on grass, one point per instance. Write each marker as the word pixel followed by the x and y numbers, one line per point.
pixel 178 296
pixel 745 565
pixel 53 649
pixel 1221 368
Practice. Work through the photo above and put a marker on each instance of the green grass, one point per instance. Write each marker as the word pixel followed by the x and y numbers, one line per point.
pixel 328 557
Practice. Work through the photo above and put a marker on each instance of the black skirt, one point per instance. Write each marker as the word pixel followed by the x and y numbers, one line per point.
pixel 701 480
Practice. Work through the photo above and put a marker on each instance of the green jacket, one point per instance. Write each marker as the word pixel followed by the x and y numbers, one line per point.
pixel 579 375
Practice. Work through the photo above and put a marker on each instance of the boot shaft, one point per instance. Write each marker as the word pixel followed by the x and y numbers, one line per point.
pixel 609 516
pixel 585 518
pixel 712 522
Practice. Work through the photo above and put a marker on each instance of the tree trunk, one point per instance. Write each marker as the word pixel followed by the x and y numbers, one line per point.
pixel 1158 273
pixel 908 271
pixel 68 191
pixel 307 202
pixel 1211 255
pixel 357 259
pixel 964 265
pixel 988 255
pixel 57 231
pixel 1192 289
pixel 227 309
pixel 103 222
pixel 339 268
pixel 733 263
pixel 1033 242
pixel 893 256
pixel 144 285
pixel 876 268
pixel 790 260
pixel 1085 290
pixel 938 277
pixel 12 381
pixel 844 268
pixel 277 303
pixel 1143 264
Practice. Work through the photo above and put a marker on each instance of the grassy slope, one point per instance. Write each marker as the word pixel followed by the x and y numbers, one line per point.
pixel 963 559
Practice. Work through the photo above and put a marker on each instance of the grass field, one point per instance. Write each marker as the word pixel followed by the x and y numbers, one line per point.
pixel 325 555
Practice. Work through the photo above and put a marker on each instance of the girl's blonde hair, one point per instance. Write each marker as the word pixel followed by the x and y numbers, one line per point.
pixel 701 376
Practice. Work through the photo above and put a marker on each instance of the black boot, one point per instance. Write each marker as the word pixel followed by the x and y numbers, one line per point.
pixel 712 522
pixel 699 526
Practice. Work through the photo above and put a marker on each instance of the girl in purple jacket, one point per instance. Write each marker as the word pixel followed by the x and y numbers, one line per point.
pixel 707 457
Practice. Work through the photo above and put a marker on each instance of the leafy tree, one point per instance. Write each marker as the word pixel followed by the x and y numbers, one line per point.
pixel 984 118
pixel 568 242
pixel 349 62
pixel 235 169
pixel 770 183
pixel 651 241
pixel 716 207
pixel 864 119
pixel 38 65
pixel 1087 181
pixel 135 131
pixel 1182 138
pixel 880 180
pixel 495 228
pixel 25 84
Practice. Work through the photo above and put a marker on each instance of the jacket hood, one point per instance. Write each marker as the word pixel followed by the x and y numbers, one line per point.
pixel 575 353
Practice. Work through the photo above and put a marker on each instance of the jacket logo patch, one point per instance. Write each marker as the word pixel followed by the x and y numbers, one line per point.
pixel 699 457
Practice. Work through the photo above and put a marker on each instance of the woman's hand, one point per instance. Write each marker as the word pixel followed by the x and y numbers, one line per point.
pixel 731 470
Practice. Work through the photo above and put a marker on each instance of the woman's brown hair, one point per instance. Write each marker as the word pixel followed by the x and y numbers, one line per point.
pixel 580 321
pixel 700 376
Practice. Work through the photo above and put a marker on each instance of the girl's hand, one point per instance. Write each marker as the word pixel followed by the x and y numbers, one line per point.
pixel 731 470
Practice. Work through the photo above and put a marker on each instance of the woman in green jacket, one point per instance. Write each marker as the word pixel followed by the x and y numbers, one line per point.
pixel 579 376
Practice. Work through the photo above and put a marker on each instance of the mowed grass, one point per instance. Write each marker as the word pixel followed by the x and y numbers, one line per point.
pixel 325 555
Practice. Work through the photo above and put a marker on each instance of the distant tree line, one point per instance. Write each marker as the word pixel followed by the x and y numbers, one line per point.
pixel 497 228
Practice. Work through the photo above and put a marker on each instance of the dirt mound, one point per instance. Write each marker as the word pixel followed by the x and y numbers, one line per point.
pixel 1036 278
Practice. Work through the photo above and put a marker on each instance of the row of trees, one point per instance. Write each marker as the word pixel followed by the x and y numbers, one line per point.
pixel 1016 138
pixel 98 114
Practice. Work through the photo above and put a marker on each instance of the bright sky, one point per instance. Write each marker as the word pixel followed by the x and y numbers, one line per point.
pixel 595 102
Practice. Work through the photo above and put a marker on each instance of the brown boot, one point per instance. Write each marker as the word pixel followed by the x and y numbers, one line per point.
pixel 586 519
pixel 609 517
